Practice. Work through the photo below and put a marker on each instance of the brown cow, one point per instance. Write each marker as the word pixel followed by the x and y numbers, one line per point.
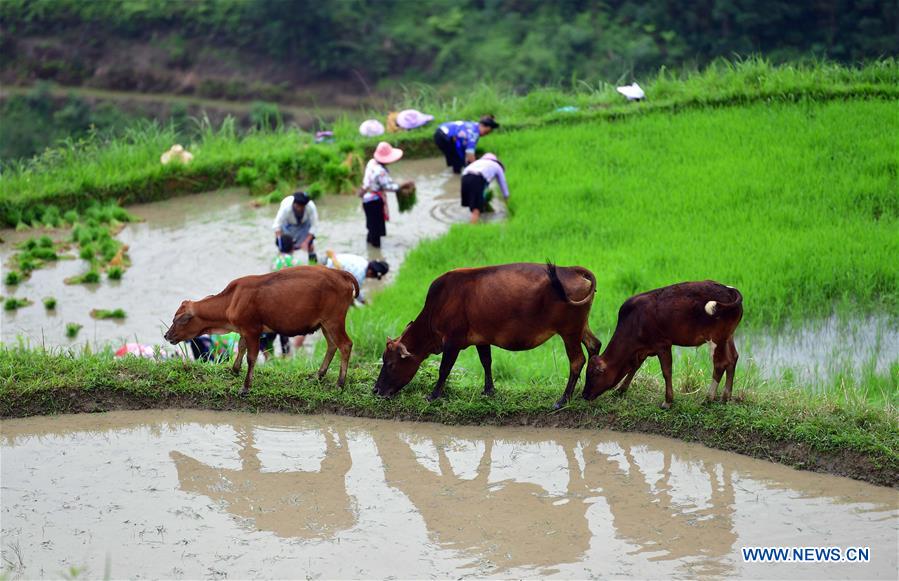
pixel 292 301
pixel 686 314
pixel 513 306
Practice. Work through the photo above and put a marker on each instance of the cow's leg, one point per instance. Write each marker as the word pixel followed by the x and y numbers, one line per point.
pixel 345 345
pixel 665 361
pixel 590 341
pixel 252 347
pixel 719 363
pixel 576 362
pixel 487 362
pixel 732 358
pixel 450 353
pixel 630 377
pixel 238 361
pixel 329 354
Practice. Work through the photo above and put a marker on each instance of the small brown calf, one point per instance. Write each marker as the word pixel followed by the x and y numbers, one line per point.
pixel 686 314
pixel 292 301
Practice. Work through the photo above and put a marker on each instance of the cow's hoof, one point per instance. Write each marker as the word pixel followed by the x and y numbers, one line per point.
pixel 559 404
pixel 235 372
pixel 666 406
pixel 243 393
pixel 489 393
pixel 432 398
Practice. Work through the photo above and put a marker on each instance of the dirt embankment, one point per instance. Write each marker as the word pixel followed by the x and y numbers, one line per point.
pixel 795 454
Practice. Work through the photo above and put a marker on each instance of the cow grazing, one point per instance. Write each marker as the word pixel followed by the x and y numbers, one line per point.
pixel 513 306
pixel 292 301
pixel 686 314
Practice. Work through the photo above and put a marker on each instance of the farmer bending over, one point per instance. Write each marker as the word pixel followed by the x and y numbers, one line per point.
pixel 458 140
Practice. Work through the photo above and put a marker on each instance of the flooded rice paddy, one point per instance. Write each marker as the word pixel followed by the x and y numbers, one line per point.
pixel 191 494
pixel 192 246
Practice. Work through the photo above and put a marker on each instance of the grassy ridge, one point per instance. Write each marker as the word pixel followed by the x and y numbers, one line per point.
pixel 859 442
pixel 128 169
pixel 796 205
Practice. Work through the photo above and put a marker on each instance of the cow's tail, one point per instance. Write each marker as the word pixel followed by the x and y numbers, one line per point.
pixel 353 280
pixel 718 309
pixel 560 288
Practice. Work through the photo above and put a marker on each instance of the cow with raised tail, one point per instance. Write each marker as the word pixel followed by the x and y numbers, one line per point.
pixel 291 301
pixel 513 306
pixel 686 314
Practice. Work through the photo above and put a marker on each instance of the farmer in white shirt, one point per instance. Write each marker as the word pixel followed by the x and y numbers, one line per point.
pixel 297 217
pixel 475 179
pixel 359 267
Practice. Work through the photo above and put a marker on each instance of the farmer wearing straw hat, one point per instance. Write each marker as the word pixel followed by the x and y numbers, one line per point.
pixel 459 139
pixel 375 184
pixel 475 180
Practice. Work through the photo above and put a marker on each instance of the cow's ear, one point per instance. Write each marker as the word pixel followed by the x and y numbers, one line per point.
pixel 403 351
pixel 389 342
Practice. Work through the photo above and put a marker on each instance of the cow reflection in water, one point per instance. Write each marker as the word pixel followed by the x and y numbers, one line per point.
pixel 505 525
pixel 311 505
pixel 502 525
pixel 649 517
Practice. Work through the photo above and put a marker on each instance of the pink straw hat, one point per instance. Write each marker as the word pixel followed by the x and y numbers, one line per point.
pixel 385 153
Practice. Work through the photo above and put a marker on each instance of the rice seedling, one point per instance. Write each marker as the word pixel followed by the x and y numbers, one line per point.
pixel 50 303
pixel 90 277
pixel 15 303
pixel 72 329
pixel 115 273
pixel 13 277
pixel 107 314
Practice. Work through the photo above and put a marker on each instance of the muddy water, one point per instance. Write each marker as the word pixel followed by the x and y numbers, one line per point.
pixel 192 246
pixel 825 348
pixel 189 494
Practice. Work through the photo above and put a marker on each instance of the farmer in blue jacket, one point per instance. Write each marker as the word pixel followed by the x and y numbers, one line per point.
pixel 458 140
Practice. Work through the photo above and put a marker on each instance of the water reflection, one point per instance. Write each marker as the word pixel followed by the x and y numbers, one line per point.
pixel 504 525
pixel 309 505
pixel 169 493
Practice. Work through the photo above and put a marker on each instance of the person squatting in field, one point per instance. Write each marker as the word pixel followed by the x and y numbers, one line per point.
pixel 298 218
pixel 475 180
pixel 459 139
pixel 376 182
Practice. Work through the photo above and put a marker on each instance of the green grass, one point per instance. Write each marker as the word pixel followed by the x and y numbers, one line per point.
pixel 859 440
pixel 794 204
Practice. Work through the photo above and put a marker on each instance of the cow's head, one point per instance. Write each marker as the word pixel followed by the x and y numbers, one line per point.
pixel 185 325
pixel 600 377
pixel 398 368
